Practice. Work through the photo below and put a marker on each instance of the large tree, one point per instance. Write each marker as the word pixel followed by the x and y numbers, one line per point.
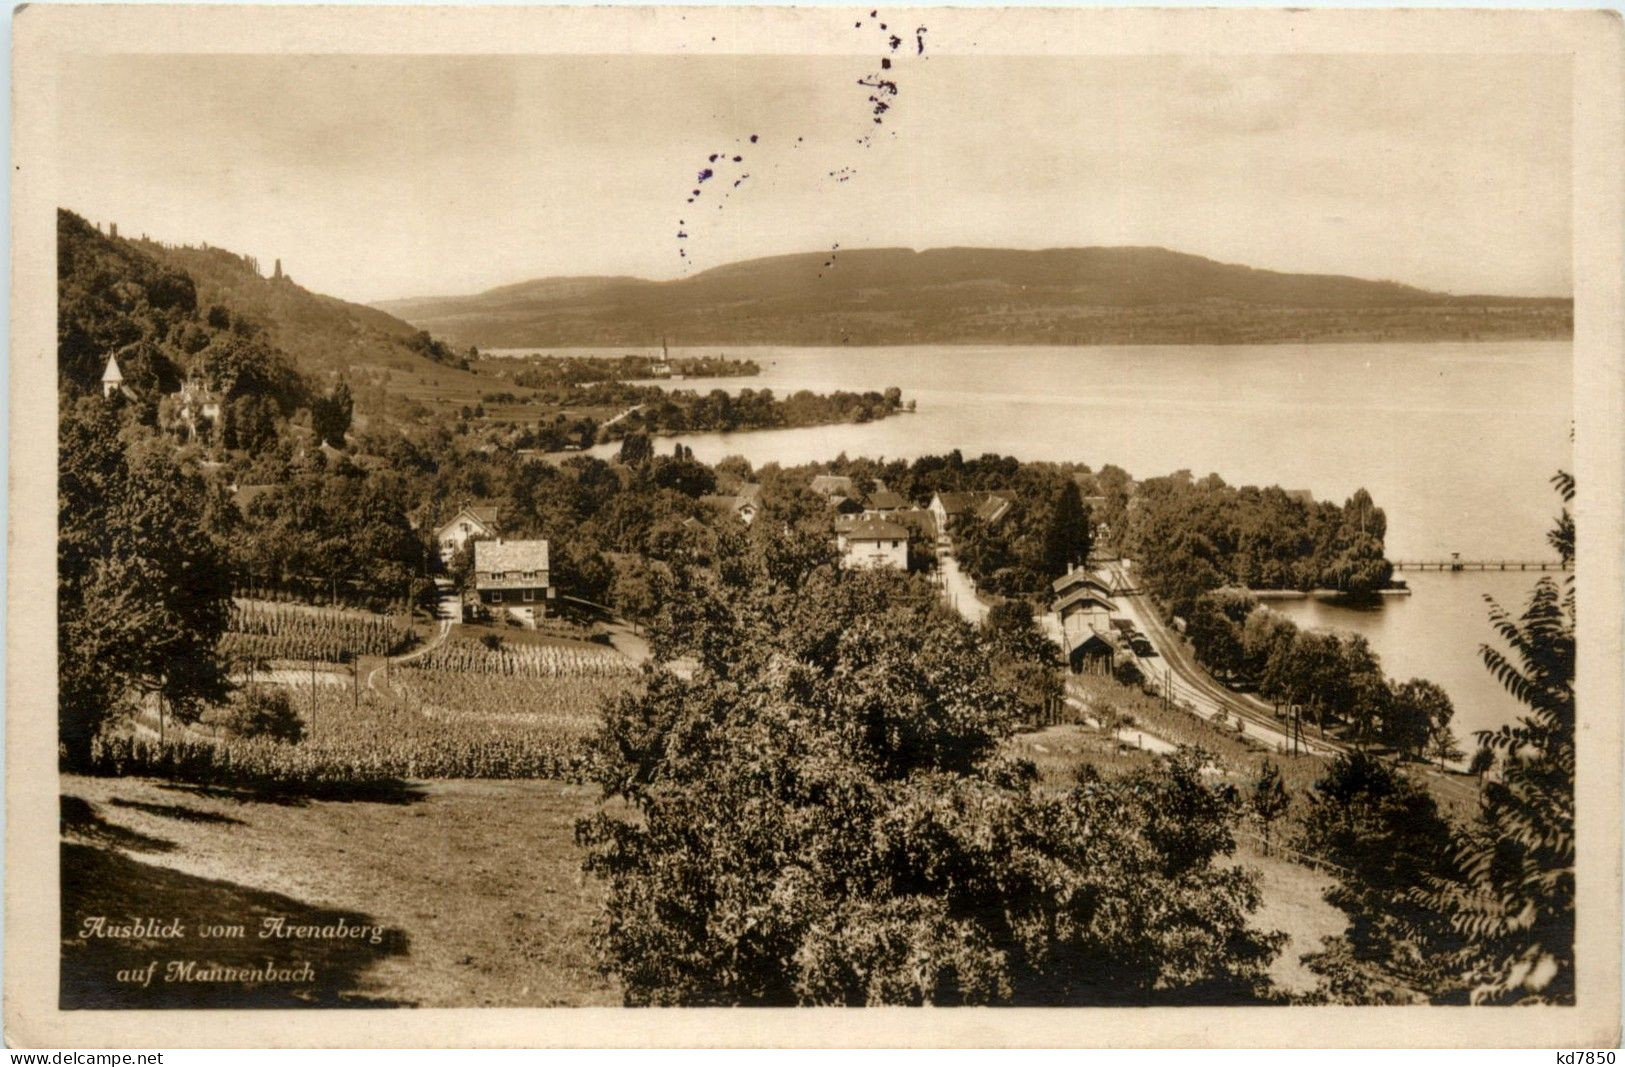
pixel 143 591
pixel 1384 837
pixel 1515 900
pixel 821 814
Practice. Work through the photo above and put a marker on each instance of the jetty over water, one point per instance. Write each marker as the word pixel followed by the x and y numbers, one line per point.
pixel 1456 563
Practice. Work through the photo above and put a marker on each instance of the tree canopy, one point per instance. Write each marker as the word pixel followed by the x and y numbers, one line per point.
pixel 822 813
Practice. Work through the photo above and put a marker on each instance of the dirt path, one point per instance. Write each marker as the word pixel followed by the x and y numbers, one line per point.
pixel 439 639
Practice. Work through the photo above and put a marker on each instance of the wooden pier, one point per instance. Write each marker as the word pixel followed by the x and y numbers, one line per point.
pixel 1456 563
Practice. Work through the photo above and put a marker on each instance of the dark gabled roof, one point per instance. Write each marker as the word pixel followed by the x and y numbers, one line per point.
pixel 1080 577
pixel 956 503
pixel 993 508
pixel 885 500
pixel 989 504
pixel 920 520
pixel 1089 637
pixel 870 528
pixel 484 512
pixel 728 504
pixel 1080 596
pixel 831 484
pixel 847 505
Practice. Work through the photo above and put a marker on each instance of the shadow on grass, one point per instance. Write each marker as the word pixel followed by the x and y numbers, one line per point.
pixel 175 811
pixel 315 972
pixel 387 791
pixel 79 820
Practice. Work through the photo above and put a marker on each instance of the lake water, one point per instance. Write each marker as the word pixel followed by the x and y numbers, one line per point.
pixel 1455 442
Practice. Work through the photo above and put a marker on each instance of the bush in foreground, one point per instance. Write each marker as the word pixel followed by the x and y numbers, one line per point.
pixel 820 816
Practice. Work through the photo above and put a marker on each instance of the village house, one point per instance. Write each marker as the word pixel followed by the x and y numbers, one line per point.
pixel 195 404
pixel 511 578
pixel 870 542
pixel 1090 651
pixel 884 500
pixel 1083 604
pixel 472 522
pixel 989 506
pixel 922 525
pixel 834 488
pixel 742 505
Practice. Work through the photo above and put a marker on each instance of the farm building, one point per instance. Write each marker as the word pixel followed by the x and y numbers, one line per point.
pixel 742 505
pixel 1090 652
pixel 922 525
pixel 832 487
pixel 1094 608
pixel 1080 578
pixel 511 577
pixel 989 506
pixel 868 541
pixel 884 500
pixel 471 522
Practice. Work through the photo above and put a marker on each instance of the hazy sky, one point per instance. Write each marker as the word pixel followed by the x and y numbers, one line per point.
pixel 377 177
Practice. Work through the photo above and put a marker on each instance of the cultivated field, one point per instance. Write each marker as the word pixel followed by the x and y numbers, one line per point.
pixel 460 710
pixel 267 631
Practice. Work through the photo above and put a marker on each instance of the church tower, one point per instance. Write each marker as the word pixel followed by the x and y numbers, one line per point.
pixel 112 378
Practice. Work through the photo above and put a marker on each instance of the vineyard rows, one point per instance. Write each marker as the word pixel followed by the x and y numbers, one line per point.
pixel 526 661
pixel 266 631
pixel 381 739
pixel 570 705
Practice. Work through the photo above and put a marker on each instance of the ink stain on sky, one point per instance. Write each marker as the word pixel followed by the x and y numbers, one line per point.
pixel 724 167
pixel 882 90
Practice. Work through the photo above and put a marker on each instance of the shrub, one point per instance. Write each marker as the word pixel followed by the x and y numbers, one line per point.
pixel 264 711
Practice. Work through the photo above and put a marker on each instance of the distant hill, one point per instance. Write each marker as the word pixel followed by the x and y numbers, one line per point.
pixel 168 312
pixel 322 333
pixel 951 295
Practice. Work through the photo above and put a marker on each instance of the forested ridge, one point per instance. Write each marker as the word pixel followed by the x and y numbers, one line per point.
pixel 1061 296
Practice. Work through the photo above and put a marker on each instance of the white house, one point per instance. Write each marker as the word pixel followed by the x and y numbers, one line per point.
pixel 868 541
pixel 472 521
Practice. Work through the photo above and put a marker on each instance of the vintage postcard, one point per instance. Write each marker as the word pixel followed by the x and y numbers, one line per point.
pixel 522 515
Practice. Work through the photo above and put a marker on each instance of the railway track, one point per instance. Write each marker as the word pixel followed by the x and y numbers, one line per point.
pixel 1188 683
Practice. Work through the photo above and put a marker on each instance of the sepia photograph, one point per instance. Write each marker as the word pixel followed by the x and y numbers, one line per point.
pixel 816 507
